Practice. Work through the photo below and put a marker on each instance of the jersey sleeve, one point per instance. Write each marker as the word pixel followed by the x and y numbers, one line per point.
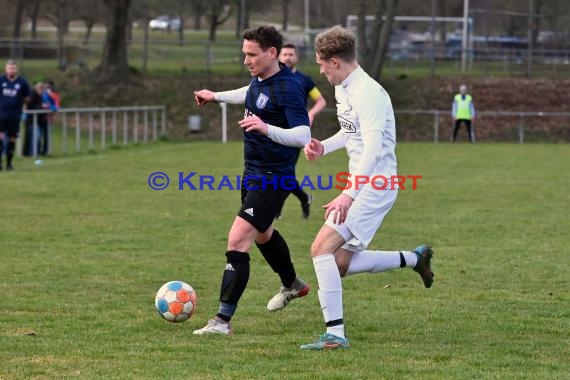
pixel 371 108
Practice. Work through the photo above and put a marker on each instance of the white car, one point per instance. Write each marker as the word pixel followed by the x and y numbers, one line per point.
pixel 165 23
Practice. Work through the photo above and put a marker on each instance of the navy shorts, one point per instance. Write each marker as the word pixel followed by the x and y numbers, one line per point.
pixel 260 203
pixel 10 127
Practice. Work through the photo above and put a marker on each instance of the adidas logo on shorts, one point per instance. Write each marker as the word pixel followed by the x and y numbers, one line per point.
pixel 249 211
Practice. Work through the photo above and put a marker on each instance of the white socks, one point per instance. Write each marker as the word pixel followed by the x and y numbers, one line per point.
pixel 379 261
pixel 330 291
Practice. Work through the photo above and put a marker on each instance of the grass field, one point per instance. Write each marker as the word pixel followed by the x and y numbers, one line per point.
pixel 85 244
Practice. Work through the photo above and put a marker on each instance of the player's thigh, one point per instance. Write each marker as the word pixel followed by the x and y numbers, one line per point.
pixel 367 214
pixel 12 128
pixel 259 206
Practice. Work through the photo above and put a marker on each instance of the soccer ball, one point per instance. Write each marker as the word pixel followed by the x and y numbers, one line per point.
pixel 176 301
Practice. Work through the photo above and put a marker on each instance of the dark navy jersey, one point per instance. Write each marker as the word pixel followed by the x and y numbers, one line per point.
pixel 306 81
pixel 280 101
pixel 12 97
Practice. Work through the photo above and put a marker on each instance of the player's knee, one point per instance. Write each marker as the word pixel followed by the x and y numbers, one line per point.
pixel 316 248
pixel 238 243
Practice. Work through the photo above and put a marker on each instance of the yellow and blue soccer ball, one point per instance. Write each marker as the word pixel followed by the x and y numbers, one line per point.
pixel 176 301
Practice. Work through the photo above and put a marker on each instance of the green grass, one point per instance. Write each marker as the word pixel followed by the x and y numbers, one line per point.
pixel 85 244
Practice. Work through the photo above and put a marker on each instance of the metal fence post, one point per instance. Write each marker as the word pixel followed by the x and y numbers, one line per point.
pixel 90 130
pixel 521 128
pixel 224 122
pixel 114 128
pixel 48 135
pixel 125 127
pixel 64 133
pixel 103 123
pixel 77 133
pixel 154 125
pixel 35 136
pixel 163 121
pixel 145 130
pixel 436 127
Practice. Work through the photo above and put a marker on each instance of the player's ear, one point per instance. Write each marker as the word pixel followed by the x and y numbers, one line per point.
pixel 335 62
pixel 273 52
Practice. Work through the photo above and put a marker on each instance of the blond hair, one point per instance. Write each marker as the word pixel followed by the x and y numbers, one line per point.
pixel 336 42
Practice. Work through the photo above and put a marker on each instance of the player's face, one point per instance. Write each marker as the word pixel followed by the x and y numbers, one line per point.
pixel 11 71
pixel 289 57
pixel 258 61
pixel 328 68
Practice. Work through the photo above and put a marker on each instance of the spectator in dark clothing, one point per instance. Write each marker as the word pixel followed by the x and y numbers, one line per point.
pixel 38 121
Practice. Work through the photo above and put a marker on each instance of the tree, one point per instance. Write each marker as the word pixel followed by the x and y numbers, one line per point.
pixel 242 19
pixel 88 11
pixel 285 10
pixel 197 8
pixel 33 12
pixel 219 12
pixel 16 32
pixel 181 16
pixel 114 65
pixel 373 44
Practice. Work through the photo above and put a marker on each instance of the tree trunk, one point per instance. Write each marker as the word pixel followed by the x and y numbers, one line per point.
pixel 89 28
pixel 213 25
pixel 61 28
pixel 16 32
pixel 363 46
pixel 217 18
pixel 384 40
pixel 285 9
pixel 197 21
pixel 340 12
pixel 34 18
pixel 373 44
pixel 181 16
pixel 442 25
pixel 145 45
pixel 114 63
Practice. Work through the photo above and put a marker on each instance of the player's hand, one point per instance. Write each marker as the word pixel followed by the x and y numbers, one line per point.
pixel 204 96
pixel 314 149
pixel 339 207
pixel 254 124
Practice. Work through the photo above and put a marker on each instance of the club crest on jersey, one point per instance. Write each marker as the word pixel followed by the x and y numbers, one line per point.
pixel 346 125
pixel 261 101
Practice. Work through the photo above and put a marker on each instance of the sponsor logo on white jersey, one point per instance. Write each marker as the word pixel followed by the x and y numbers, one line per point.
pixel 346 125
pixel 249 211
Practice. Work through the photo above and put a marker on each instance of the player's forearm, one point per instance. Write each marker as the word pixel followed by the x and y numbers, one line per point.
pixel 296 137
pixel 335 142
pixel 236 96
pixel 319 105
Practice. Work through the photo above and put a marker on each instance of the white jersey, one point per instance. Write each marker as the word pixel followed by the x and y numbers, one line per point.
pixel 363 105
pixel 368 132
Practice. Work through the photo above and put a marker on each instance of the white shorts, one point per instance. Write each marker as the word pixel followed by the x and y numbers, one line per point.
pixel 364 217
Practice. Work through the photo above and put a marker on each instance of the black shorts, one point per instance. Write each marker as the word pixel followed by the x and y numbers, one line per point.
pixel 10 127
pixel 260 204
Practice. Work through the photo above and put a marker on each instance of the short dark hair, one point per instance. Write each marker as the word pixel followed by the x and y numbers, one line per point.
pixel 289 45
pixel 266 36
